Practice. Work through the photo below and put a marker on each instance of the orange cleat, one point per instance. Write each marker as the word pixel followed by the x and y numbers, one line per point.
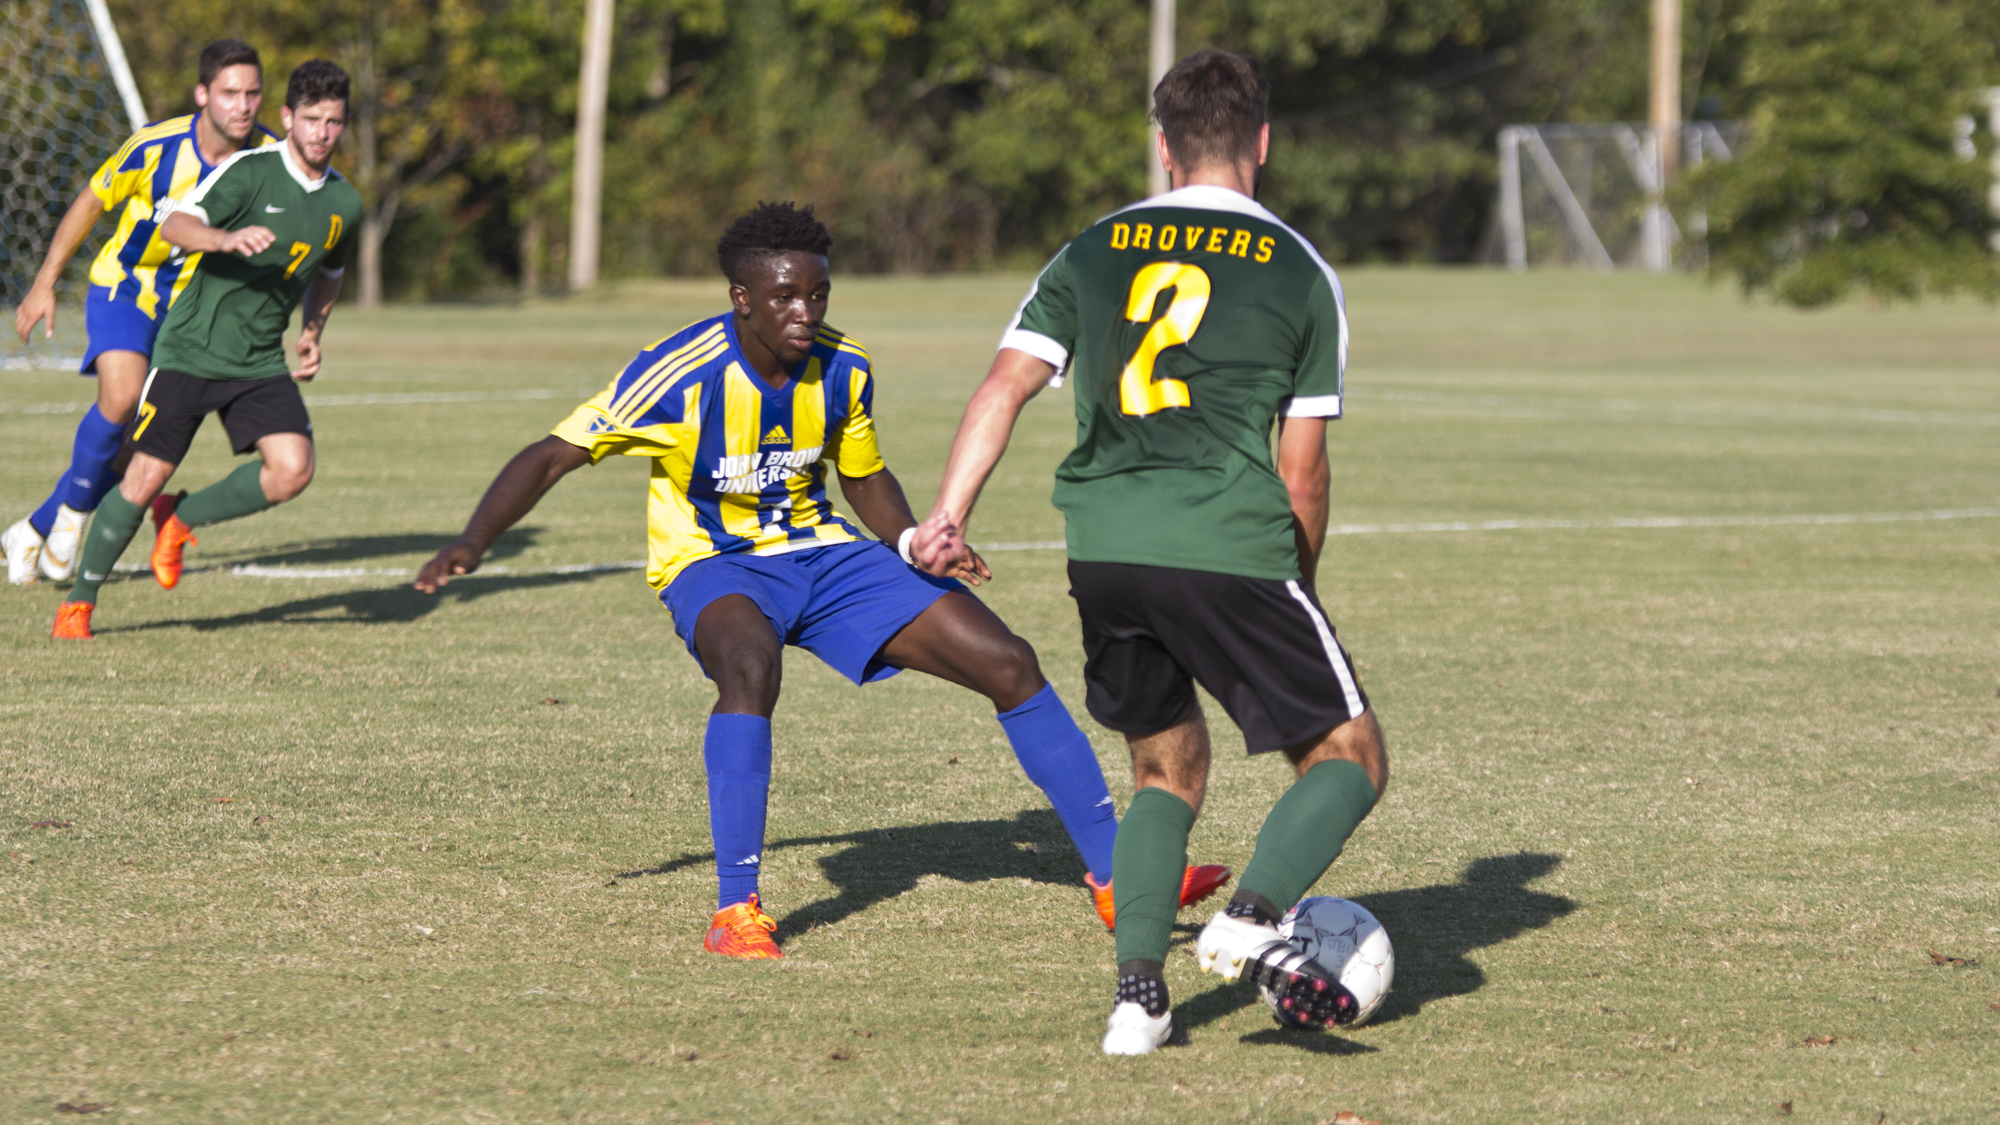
pixel 174 536
pixel 1196 884
pixel 743 930
pixel 73 622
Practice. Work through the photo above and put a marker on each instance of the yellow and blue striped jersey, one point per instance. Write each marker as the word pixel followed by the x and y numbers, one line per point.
pixel 159 163
pixel 737 465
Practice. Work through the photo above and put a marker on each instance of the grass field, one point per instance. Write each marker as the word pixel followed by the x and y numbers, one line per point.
pixel 1681 808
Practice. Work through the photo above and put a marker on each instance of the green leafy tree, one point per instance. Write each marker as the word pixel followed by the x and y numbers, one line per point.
pixel 1858 174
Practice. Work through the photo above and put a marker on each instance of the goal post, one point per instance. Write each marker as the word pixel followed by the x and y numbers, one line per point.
pixel 67 101
pixel 1588 195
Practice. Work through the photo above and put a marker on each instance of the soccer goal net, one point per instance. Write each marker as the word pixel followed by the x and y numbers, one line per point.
pixel 67 101
pixel 1588 195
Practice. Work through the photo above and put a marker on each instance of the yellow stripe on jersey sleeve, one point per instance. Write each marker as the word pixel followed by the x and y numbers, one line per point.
pixel 647 388
pixel 591 427
pixel 859 456
pixel 112 182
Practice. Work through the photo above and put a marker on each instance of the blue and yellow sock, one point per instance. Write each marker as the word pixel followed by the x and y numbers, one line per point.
pixel 737 754
pixel 1057 757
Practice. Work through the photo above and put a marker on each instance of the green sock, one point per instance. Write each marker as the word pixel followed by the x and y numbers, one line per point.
pixel 1306 830
pixel 1147 863
pixel 240 493
pixel 111 531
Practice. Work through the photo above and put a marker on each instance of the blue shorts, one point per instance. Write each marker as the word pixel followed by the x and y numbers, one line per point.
pixel 114 326
pixel 840 602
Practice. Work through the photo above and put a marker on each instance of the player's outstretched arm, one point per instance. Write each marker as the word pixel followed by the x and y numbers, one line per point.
pixel 513 494
pixel 1014 378
pixel 40 302
pixel 190 233
pixel 1302 466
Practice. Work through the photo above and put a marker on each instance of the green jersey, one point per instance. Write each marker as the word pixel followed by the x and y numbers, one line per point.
pixel 230 321
pixel 1188 324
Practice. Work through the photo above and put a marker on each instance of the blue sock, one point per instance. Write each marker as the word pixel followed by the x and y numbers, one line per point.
pixel 737 754
pixel 1057 757
pixel 89 477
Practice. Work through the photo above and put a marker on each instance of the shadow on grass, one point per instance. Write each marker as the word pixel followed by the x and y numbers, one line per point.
pixel 361 547
pixel 881 863
pixel 1434 929
pixel 398 604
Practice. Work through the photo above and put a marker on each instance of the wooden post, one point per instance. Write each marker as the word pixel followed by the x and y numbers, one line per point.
pixel 587 197
pixel 1666 101
pixel 1163 61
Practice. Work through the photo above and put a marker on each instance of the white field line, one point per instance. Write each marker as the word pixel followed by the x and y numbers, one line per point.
pixel 1528 406
pixel 397 399
pixel 1640 523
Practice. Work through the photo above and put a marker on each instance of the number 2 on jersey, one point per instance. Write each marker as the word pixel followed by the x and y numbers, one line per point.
pixel 299 252
pixel 1138 393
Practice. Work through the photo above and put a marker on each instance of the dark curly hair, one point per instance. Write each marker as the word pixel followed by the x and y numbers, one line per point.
pixel 767 229
pixel 315 81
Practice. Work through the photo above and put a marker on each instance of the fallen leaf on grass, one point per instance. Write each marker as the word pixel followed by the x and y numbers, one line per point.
pixel 86 1107
pixel 952 761
pixel 256 820
pixel 1345 1117
pixel 1955 962
pixel 1821 1040
pixel 687 1056
pixel 224 800
pixel 841 1055
pixel 50 824
pixel 1785 1109
pixel 552 701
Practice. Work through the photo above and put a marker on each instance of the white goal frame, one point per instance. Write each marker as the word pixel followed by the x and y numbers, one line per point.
pixel 1637 144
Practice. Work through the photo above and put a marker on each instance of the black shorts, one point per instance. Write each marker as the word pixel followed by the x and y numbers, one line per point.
pixel 175 403
pixel 1260 646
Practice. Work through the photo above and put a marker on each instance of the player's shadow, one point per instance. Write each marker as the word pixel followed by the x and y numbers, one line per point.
pixel 881 863
pixel 1434 929
pixel 399 604
pixel 360 547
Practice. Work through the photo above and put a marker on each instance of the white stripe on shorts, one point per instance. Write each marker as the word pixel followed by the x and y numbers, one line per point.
pixel 1334 656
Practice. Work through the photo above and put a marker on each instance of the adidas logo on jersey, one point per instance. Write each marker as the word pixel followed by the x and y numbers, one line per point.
pixel 776 436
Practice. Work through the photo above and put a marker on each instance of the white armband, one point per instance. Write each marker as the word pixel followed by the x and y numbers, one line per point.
pixel 903 544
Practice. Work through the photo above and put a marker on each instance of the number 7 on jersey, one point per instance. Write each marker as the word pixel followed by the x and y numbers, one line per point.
pixel 1138 393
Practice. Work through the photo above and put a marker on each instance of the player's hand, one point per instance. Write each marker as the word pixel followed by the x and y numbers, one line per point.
pixel 308 359
pixel 459 558
pixel 971 570
pixel 939 549
pixel 39 304
pixel 249 242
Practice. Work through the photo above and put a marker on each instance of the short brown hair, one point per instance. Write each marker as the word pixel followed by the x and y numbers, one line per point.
pixel 1211 108
pixel 225 53
pixel 316 81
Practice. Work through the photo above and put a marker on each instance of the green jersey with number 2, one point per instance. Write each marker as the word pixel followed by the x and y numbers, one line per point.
pixel 230 323
pixel 1188 324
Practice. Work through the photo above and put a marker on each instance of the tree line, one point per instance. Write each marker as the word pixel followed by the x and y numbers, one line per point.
pixel 954 134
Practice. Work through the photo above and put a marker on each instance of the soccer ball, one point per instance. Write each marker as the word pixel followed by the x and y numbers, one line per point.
pixel 1347 942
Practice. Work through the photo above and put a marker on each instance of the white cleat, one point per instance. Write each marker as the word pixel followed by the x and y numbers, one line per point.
pixel 1133 1032
pixel 1227 944
pixel 24 550
pixel 61 548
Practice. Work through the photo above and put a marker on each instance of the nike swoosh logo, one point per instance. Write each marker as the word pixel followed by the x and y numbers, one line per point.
pixel 274 210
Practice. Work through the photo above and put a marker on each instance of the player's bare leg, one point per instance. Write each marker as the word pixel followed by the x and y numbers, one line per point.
pixel 960 640
pixel 742 653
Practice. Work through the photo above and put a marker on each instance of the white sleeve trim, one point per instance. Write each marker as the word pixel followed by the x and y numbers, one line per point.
pixel 1037 345
pixel 1314 406
pixel 183 207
